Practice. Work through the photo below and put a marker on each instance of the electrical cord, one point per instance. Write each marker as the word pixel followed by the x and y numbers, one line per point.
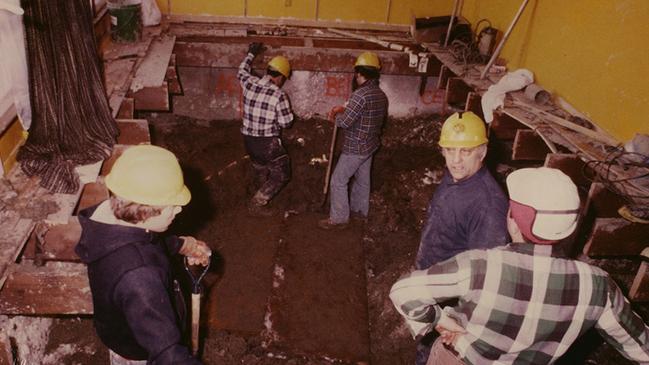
pixel 464 48
pixel 602 171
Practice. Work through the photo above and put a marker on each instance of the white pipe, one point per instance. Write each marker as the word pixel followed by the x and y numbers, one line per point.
pixel 450 23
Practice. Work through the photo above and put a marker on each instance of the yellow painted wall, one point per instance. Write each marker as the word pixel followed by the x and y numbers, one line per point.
pixel 298 9
pixel 401 11
pixel 203 7
pixel 592 53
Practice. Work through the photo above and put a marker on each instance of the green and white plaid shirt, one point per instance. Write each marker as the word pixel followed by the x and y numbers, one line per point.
pixel 521 304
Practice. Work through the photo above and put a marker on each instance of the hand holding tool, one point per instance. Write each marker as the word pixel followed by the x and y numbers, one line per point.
pixel 335 111
pixel 255 48
pixel 196 301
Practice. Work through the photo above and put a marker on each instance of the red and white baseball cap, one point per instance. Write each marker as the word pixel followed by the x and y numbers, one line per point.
pixel 544 203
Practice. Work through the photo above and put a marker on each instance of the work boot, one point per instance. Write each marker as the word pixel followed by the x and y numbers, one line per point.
pixel 328 225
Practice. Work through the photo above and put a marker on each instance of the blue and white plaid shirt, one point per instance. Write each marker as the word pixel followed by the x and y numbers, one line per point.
pixel 521 304
pixel 363 118
pixel 266 108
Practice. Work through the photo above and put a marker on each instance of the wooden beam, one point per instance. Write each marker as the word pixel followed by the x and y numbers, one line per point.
pixel 133 131
pixel 225 54
pixel 572 165
pixel 504 126
pixel 118 149
pixel 456 91
pixel 603 203
pixel 474 104
pixel 639 291
pixel 528 146
pixel 126 109
pixel 151 71
pixel 152 98
pixel 175 87
pixel 93 194
pixel 56 244
pixel 57 289
pixel 617 237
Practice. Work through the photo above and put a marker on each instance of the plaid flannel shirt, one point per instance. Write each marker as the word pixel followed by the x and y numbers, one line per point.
pixel 363 117
pixel 266 108
pixel 521 304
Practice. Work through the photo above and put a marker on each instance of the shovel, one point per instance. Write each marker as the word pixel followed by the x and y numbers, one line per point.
pixel 325 189
pixel 196 302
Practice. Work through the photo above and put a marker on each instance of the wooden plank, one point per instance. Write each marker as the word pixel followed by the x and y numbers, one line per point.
pixel 617 237
pixel 15 232
pixel 56 243
pixel 456 91
pixel 639 291
pixel 175 87
pixel 602 202
pixel 444 74
pixel 133 131
pixel 126 109
pixel 118 149
pixel 474 104
pixel 573 166
pixel 504 126
pixel 93 194
pixel 53 289
pixel 151 72
pixel 528 146
pixel 152 98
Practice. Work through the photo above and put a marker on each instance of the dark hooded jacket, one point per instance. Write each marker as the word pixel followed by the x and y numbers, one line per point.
pixel 130 280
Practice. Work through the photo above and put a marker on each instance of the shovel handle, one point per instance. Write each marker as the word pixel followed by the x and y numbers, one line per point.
pixel 196 316
pixel 331 160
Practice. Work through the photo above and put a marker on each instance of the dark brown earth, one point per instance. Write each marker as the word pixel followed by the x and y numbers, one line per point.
pixel 281 291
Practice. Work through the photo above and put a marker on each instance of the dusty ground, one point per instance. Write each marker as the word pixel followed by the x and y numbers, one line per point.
pixel 361 262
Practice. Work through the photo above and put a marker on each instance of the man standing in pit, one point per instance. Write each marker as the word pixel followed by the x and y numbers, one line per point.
pixel 362 119
pixel 523 303
pixel 266 111
pixel 468 208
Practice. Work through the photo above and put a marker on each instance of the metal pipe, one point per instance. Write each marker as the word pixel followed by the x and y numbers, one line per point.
pixel 502 41
pixel 450 23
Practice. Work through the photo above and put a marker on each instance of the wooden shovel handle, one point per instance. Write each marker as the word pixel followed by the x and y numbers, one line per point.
pixel 196 315
pixel 331 160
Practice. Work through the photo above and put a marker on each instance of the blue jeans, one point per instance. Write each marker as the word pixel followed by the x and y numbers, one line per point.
pixel 358 199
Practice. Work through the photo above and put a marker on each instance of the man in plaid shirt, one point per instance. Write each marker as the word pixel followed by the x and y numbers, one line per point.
pixel 522 303
pixel 266 111
pixel 362 120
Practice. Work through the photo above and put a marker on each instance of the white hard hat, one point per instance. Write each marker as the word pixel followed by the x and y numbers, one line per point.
pixel 544 203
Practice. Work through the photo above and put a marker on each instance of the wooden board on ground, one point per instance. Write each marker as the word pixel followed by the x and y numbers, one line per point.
pixel 456 91
pixel 16 231
pixel 133 131
pixel 116 74
pixel 56 244
pixel 152 98
pixel 617 237
pixel 571 165
pixel 93 194
pixel 151 72
pixel 53 289
pixel 126 109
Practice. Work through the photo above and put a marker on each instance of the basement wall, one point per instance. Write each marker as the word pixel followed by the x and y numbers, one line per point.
pixel 214 93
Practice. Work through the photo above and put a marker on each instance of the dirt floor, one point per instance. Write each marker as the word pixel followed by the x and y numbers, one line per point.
pixel 280 290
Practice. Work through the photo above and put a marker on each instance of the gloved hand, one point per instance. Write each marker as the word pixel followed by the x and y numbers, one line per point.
pixel 255 48
pixel 335 111
pixel 197 252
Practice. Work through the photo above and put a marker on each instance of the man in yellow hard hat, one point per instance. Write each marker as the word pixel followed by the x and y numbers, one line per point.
pixel 361 120
pixel 468 209
pixel 266 111
pixel 526 302
pixel 135 315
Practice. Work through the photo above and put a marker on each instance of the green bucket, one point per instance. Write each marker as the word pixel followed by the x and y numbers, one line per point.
pixel 125 20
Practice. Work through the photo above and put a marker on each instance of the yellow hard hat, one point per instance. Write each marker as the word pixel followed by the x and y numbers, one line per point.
pixel 368 59
pixel 463 130
pixel 281 65
pixel 150 175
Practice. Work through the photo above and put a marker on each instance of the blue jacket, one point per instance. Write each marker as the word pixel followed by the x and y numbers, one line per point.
pixel 130 280
pixel 463 215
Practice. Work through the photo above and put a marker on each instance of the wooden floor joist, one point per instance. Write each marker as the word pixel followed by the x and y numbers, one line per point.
pixel 617 237
pixel 456 91
pixel 528 146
